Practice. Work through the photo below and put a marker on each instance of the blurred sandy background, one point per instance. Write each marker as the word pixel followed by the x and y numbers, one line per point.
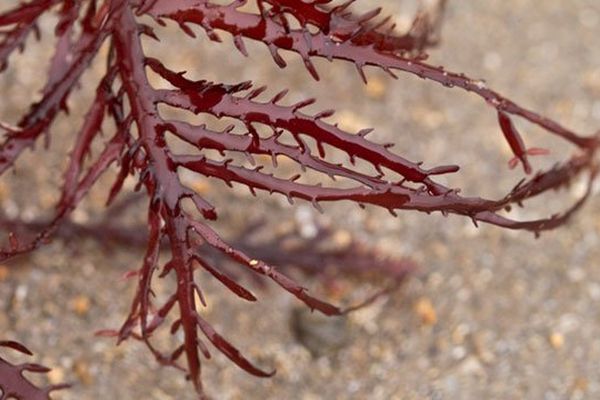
pixel 491 314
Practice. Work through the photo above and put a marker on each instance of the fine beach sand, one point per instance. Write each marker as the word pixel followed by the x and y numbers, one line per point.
pixel 490 314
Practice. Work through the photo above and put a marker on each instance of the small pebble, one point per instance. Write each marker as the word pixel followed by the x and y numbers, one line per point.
pixel 425 310
pixel 319 334
pixel 342 238
pixel 471 366
pixel 82 371
pixel 557 340
pixel 80 304
pixel 4 272
pixel 376 88
pixel 200 186
pixel 56 376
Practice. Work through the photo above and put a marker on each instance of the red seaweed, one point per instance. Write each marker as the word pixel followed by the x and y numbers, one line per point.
pixel 139 147
pixel 14 385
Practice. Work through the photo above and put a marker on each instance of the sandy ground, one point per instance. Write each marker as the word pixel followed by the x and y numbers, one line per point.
pixel 490 314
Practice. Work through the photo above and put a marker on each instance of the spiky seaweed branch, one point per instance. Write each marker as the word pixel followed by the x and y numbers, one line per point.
pixel 139 144
pixel 14 385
